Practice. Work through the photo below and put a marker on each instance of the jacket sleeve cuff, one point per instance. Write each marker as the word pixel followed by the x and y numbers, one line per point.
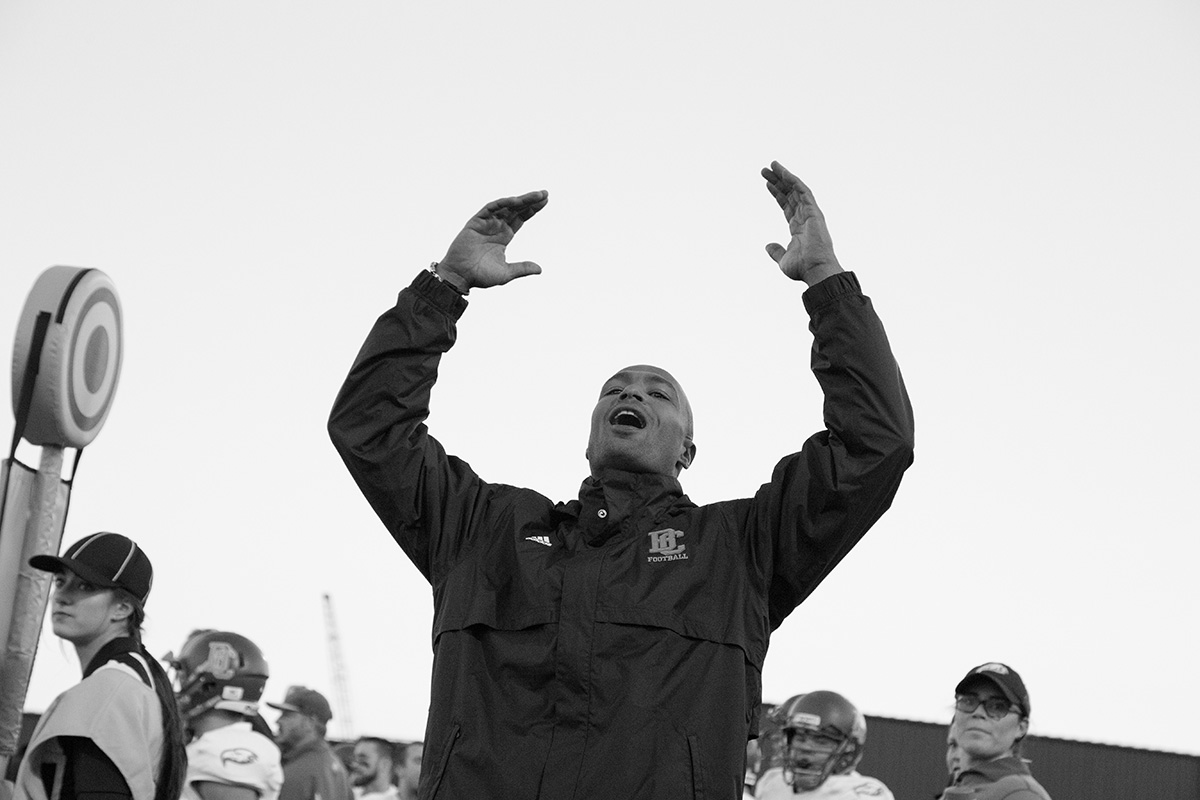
pixel 443 297
pixel 830 290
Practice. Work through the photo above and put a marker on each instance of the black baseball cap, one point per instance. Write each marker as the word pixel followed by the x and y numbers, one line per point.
pixel 308 702
pixel 1006 680
pixel 104 559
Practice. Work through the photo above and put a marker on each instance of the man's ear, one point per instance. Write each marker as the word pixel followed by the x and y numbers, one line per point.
pixel 686 457
pixel 1024 727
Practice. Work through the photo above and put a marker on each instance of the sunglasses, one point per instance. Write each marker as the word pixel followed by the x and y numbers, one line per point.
pixel 995 707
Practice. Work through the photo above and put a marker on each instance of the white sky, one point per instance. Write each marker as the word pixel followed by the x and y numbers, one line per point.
pixel 1014 183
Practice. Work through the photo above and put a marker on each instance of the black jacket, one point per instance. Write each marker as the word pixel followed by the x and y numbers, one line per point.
pixel 611 646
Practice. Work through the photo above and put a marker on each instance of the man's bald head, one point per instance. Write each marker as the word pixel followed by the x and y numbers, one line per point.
pixel 642 423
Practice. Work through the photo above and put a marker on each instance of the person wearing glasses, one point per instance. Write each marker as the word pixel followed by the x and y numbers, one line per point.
pixel 991 718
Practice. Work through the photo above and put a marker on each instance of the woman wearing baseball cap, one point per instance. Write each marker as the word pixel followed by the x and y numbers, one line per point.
pixel 117 732
pixel 991 718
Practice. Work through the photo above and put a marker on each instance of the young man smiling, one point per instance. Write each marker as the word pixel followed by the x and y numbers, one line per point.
pixel 612 646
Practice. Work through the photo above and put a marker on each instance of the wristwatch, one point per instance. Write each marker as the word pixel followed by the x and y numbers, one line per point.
pixel 433 269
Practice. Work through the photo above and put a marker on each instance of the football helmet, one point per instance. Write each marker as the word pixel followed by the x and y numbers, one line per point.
pixel 218 669
pixel 825 735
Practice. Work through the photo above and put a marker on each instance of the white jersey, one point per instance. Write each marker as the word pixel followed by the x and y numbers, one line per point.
pixel 850 786
pixel 113 708
pixel 237 756
pixel 390 793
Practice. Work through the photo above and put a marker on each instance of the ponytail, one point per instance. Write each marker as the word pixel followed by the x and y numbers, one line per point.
pixel 172 765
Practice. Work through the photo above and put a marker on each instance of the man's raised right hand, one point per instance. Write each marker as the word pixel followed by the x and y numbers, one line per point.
pixel 476 257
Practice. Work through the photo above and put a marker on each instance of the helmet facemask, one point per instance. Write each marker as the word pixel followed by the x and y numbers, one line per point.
pixel 814 754
pixel 825 735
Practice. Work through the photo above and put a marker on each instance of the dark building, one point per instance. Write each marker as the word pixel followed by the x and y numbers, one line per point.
pixel 910 758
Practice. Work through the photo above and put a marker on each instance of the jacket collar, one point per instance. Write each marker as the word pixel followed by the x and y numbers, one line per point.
pixel 994 770
pixel 614 496
pixel 303 747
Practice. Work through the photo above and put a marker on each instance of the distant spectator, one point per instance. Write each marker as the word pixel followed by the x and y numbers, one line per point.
pixel 115 734
pixel 824 736
pixel 991 720
pixel 311 771
pixel 372 770
pixel 408 769
pixel 954 756
pixel 221 677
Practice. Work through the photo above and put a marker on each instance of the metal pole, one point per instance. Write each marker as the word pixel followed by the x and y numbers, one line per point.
pixel 43 534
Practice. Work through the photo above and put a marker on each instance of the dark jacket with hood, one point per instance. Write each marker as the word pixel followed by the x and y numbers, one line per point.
pixel 611 646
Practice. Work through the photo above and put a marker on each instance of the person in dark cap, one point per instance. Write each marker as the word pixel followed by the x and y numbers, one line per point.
pixel 991 720
pixel 578 645
pixel 117 732
pixel 311 770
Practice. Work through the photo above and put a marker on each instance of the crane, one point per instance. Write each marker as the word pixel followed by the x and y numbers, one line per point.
pixel 341 686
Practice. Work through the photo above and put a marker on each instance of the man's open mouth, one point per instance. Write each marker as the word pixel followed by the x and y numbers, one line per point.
pixel 627 417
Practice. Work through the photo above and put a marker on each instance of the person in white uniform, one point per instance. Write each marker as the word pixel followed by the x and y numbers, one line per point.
pixel 823 736
pixel 221 677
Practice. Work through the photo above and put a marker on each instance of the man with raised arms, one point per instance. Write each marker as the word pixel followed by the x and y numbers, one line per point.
pixel 612 645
